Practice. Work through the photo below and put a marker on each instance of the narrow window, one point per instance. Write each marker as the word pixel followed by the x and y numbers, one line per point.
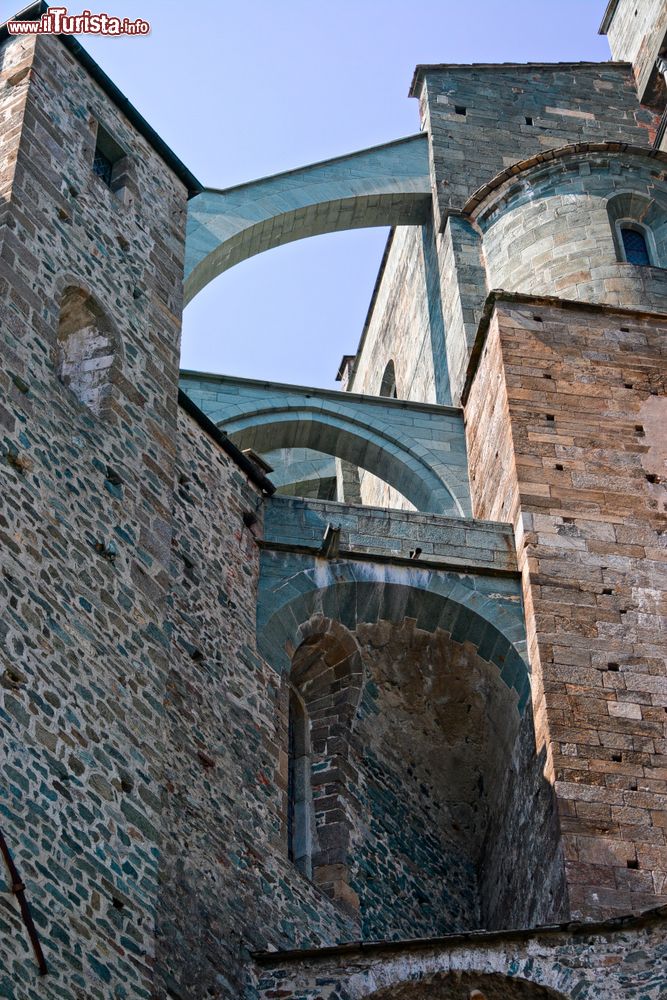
pixel 388 384
pixel 107 158
pixel 635 246
pixel 299 804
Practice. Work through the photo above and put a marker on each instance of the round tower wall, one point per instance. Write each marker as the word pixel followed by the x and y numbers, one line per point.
pixel 555 230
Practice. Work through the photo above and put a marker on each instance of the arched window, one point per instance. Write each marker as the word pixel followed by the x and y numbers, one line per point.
pixel 319 703
pixel 639 229
pixel 635 246
pixel 85 349
pixel 388 384
pixel 299 792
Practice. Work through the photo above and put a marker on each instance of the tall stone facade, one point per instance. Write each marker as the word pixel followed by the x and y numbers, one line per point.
pixel 410 742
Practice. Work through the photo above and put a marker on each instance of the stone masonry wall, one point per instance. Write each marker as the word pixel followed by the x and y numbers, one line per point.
pixel 617 962
pixel 549 232
pixel 564 103
pixel 564 421
pixel 401 326
pixel 227 885
pixel 483 119
pixel 636 33
pixel 405 326
pixel 85 525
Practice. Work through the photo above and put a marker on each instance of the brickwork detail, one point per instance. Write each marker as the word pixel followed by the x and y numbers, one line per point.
pixel 560 417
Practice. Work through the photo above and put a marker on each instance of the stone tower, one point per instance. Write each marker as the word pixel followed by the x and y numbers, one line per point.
pixel 339 694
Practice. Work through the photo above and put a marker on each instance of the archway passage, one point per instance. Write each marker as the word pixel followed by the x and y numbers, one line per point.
pixel 468 986
pixel 387 185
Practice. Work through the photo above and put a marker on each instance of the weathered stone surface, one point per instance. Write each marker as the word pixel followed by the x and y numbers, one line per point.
pixel 234 721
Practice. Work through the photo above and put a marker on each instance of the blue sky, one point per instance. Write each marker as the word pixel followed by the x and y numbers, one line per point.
pixel 246 89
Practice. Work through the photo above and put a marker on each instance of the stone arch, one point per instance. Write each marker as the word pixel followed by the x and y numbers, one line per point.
pixel 384 186
pixel 466 985
pixel 86 349
pixel 444 712
pixel 325 681
pixel 646 214
pixel 386 455
pixel 353 593
pixel 512 174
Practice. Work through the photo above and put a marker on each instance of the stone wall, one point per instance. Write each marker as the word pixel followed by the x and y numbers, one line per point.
pixel 551 229
pixel 482 119
pixel 85 526
pixel 227 883
pixel 405 323
pixel 563 420
pixel 617 961
pixel 636 34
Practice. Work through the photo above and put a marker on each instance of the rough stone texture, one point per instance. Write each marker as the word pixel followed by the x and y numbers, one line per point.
pixel 562 427
pixel 394 534
pixel 567 102
pixel 636 34
pixel 84 536
pixel 160 612
pixel 404 323
pixel 548 230
pixel 617 962
pixel 227 883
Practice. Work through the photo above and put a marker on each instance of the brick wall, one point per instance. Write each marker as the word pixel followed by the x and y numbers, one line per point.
pixel 563 419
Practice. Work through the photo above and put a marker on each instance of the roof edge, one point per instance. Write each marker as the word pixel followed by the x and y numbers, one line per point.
pixel 479 196
pixel 608 17
pixel 499 295
pixel 422 68
pixel 244 463
pixel 656 915
pixel 32 13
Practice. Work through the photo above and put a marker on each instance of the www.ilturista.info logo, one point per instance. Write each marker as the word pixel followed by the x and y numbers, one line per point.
pixel 56 21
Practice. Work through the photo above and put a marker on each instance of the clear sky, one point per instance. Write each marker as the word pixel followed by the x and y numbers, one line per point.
pixel 248 88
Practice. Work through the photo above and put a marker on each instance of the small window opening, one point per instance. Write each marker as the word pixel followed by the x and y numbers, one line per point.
pixel 107 158
pixel 388 384
pixel 299 795
pixel 460 110
pixel 635 247
pixel 529 120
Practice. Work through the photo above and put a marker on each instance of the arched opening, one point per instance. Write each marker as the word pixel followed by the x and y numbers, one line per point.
pixel 420 791
pixel 359 444
pixel 85 350
pixel 299 792
pixel 388 383
pixel 467 985
pixel 322 695
pixel 639 228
